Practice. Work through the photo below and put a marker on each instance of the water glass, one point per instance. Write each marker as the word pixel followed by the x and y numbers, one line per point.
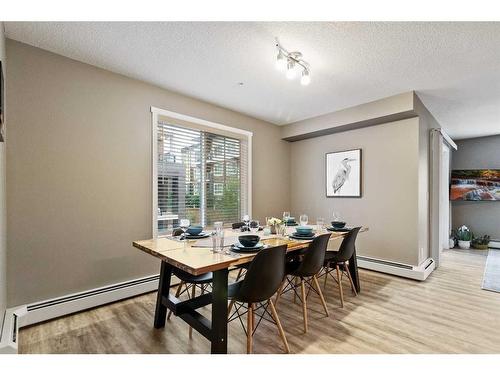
pixel 304 219
pixel 320 223
pixel 218 225
pixel 218 241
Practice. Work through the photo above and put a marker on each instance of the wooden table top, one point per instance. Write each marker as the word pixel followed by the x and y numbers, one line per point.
pixel 199 260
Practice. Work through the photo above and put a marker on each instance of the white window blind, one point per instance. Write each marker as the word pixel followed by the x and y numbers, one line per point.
pixel 201 176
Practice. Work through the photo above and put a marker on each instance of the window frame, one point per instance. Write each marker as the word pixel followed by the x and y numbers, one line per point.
pixel 213 127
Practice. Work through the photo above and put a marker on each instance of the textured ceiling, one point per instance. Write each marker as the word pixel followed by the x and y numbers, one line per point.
pixel 454 67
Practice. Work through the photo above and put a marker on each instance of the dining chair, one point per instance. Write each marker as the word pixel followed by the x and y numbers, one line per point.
pixel 237 225
pixel 252 295
pixel 306 270
pixel 337 261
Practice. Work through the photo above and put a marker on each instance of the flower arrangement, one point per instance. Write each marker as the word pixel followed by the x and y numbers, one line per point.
pixel 464 237
pixel 273 221
pixel 464 234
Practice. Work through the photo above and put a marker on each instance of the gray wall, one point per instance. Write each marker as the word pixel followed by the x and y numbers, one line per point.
pixel 79 172
pixel 481 217
pixel 3 211
pixel 390 199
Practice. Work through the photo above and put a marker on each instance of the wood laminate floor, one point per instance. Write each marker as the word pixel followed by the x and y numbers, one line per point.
pixel 448 313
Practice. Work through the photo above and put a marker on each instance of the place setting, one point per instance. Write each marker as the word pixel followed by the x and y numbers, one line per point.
pixel 248 243
pixel 338 225
pixel 303 231
pixel 288 220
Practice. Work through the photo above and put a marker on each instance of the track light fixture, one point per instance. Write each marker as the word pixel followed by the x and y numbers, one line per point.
pixel 293 62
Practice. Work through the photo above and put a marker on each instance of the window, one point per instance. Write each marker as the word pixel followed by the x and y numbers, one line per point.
pixel 218 170
pixel 201 175
pixel 231 168
pixel 218 188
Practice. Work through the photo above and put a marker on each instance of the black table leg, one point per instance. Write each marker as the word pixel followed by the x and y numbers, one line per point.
pixel 219 312
pixel 163 291
pixel 353 269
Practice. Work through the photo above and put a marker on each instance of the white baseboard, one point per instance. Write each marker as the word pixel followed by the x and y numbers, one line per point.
pixel 57 307
pixel 412 272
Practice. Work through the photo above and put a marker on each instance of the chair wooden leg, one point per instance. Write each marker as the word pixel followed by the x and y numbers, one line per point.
pixel 278 293
pixel 316 284
pixel 350 279
pixel 339 280
pixel 249 328
pixel 326 275
pixel 177 294
pixel 193 292
pixel 278 323
pixel 304 303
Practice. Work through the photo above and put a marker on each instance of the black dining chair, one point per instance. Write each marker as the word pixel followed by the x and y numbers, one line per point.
pixel 189 283
pixel 237 225
pixel 338 261
pixel 252 295
pixel 305 270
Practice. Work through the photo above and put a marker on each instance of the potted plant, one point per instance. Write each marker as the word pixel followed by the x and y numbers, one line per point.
pixel 464 237
pixel 481 243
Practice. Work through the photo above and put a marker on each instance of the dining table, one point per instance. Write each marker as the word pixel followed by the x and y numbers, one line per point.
pixel 198 257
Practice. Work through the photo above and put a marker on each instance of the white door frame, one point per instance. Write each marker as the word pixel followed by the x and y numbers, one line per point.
pixel 439 181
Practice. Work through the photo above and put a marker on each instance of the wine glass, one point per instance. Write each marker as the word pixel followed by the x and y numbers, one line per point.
pixel 184 225
pixel 304 219
pixel 246 220
pixel 286 217
pixel 254 226
pixel 336 216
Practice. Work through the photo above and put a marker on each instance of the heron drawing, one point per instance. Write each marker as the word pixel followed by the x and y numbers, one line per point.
pixel 342 174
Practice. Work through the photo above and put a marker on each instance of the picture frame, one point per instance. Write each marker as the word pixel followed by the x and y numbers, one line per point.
pixel 343 174
pixel 475 185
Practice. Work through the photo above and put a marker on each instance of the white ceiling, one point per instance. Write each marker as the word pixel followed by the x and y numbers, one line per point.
pixel 454 67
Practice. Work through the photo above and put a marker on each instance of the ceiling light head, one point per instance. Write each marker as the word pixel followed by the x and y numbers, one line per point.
pixel 306 78
pixel 290 69
pixel 280 60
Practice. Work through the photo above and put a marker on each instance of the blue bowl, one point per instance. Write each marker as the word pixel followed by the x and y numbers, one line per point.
pixel 249 240
pixel 194 230
pixel 302 229
pixel 338 224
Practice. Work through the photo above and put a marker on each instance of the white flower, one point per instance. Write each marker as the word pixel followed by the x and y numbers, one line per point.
pixel 273 221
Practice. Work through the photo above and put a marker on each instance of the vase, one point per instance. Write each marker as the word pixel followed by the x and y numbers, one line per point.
pixel 273 229
pixel 464 245
pixel 452 243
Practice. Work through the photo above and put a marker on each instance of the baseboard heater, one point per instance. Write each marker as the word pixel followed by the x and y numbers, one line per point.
pixel 9 332
pixel 494 244
pixel 399 269
pixel 57 307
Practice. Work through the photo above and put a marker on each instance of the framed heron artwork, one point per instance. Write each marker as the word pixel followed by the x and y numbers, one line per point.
pixel 343 174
